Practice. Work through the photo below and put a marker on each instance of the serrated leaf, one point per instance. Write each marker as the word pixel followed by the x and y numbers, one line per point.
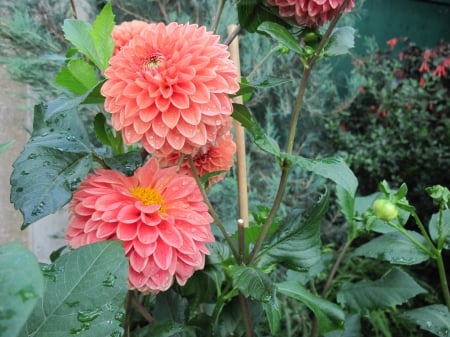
pixel 347 203
pixel 433 318
pixel 171 307
pixel 93 41
pixel 342 39
pixel 394 288
pixel 243 115
pixel 329 316
pixel 296 242
pixel 352 328
pixel 22 285
pixel 281 34
pixel 84 294
pixel 77 77
pixel 252 282
pixel 54 161
pixel 333 168
pixel 126 163
pixel 395 248
pixel 445 230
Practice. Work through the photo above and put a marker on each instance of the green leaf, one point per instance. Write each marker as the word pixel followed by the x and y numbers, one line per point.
pixel 346 203
pixel 84 294
pixel 78 77
pixel 171 307
pixel 22 285
pixel 395 248
pixel 329 316
pixel 252 282
pixel 53 163
pixel 273 315
pixel 296 242
pixel 332 168
pixel 352 328
pixel 162 329
pixel 5 145
pixel 281 34
pixel 433 318
pixel 93 41
pixel 106 135
pixel 393 288
pixel 445 230
pixel 246 88
pixel 126 163
pixel 342 39
pixel 243 115
pixel 252 13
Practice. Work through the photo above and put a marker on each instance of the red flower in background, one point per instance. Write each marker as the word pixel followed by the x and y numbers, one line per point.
pixel 158 214
pixel 392 43
pixel 310 12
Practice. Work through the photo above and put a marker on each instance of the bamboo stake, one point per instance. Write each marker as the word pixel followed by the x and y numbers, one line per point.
pixel 240 140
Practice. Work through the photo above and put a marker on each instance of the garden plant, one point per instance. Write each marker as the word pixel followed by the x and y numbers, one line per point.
pixel 144 145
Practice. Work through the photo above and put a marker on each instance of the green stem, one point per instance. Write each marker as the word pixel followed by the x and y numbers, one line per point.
pixel 432 253
pixel 218 15
pixel 443 279
pixel 291 135
pixel 212 211
pixel 215 316
pixel 422 229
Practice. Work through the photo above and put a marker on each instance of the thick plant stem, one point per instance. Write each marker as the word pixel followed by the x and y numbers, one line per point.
pixel 219 11
pixel 246 316
pixel 212 211
pixel 292 133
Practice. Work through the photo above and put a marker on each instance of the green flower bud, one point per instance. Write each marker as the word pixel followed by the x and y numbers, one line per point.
pixel 384 209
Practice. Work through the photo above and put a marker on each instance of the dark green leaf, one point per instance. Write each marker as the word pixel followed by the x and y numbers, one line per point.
pixel 296 242
pixel 395 248
pixel 102 130
pixel 93 41
pixel 248 121
pixel 170 307
pixel 84 294
pixel 22 285
pixel 332 168
pixel 252 282
pixel 394 288
pixel 352 328
pixel 329 316
pixel 246 88
pixel 126 163
pixel 77 77
pixel 162 329
pixel 342 39
pixel 433 318
pixel 252 13
pixel 53 163
pixel 346 203
pixel 273 315
pixel 433 226
pixel 281 34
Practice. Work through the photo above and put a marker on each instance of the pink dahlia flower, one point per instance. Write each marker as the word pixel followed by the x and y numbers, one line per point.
pixel 157 213
pixel 124 32
pixel 210 158
pixel 310 12
pixel 168 88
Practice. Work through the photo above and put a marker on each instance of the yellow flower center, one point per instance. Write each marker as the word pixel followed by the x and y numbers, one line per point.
pixel 149 196
pixel 153 61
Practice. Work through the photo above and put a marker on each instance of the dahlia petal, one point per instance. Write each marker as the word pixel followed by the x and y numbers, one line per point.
pixel 162 103
pixel 160 128
pixel 130 136
pixel 181 101
pixel 144 249
pixel 147 234
pixel 108 202
pixel 128 214
pixel 186 129
pixel 192 116
pixel 170 235
pixel 201 94
pixel 171 117
pixel 137 262
pixel 163 255
pixel 126 232
pixel 148 114
pixel 106 229
pixel 162 280
pixel 175 139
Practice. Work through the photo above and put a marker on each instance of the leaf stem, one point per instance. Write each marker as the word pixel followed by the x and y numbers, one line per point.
pixel 219 11
pixel 443 279
pixel 246 315
pixel 212 211
pixel 292 133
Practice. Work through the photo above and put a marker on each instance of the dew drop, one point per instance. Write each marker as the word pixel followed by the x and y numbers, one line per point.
pixel 88 315
pixel 115 333
pixel 19 189
pixel 109 280
pixel 71 138
pixel 72 304
pixel 119 316
pixel 429 324
pixel 26 294
pixel 24 173
pixel 46 163
pixel 32 156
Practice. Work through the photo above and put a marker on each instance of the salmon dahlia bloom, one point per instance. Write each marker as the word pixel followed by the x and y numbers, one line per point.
pixel 124 32
pixel 168 88
pixel 208 159
pixel 310 13
pixel 157 213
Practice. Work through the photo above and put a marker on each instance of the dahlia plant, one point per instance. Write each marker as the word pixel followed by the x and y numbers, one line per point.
pixel 147 254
